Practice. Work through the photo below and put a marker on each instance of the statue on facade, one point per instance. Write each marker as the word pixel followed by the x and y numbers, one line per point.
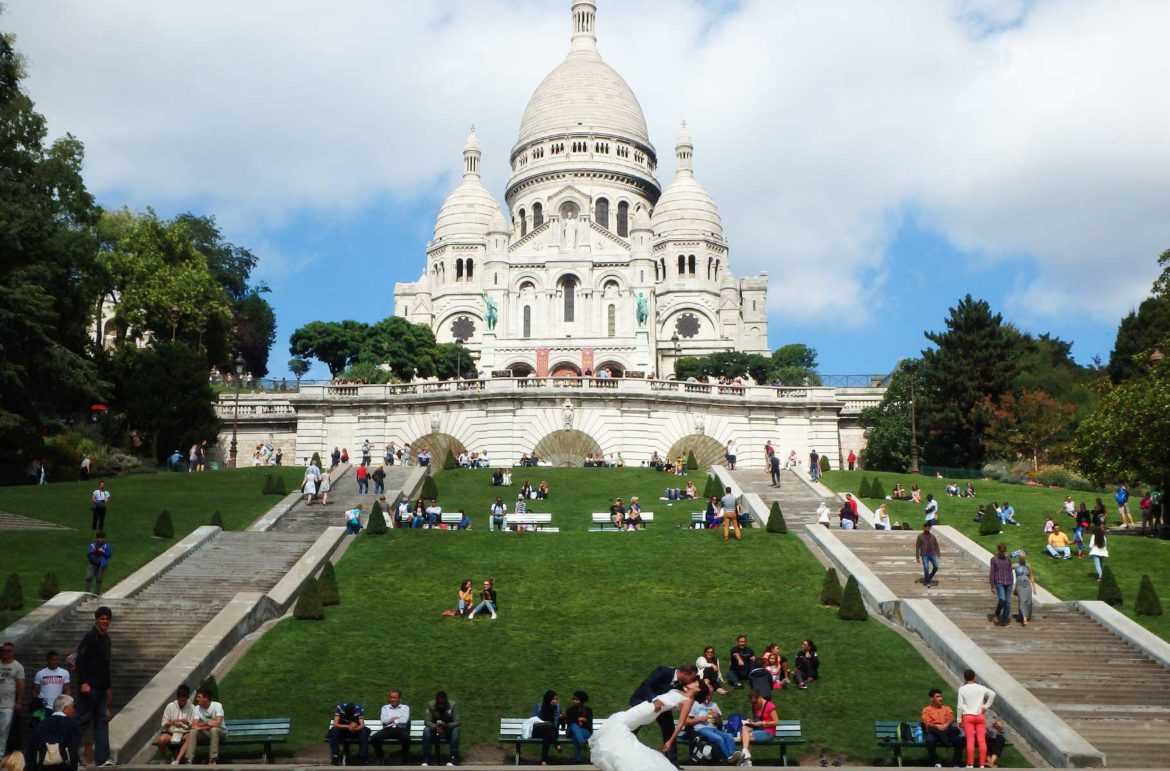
pixel 569 234
pixel 643 309
pixel 492 313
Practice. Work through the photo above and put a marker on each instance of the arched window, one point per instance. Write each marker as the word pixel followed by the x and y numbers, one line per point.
pixel 601 212
pixel 527 286
pixel 662 261
pixel 691 265
pixel 459 269
pixel 568 286
pixel 610 288
pixel 710 263
pixel 523 224
pixel 611 320
pixel 527 321
pixel 623 220
pixel 470 268
pixel 682 265
pixel 537 215
pixel 716 268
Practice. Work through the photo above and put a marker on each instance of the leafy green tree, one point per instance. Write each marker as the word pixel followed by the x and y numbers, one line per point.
pixel 990 524
pixel 299 368
pixel 887 426
pixel 1137 335
pixel 1108 591
pixel 12 598
pixel 334 343
pixel 1027 425
pixel 46 239
pixel 1147 603
pixel 217 520
pixel 429 489
pixel 50 586
pixel 972 365
pixel 254 325
pixel 794 364
pixel 863 488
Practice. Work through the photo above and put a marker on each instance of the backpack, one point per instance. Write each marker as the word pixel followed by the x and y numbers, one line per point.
pixel 705 752
pixel 905 732
pixel 53 753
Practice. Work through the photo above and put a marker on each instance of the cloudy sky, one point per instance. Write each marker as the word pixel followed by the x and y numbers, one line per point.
pixel 878 160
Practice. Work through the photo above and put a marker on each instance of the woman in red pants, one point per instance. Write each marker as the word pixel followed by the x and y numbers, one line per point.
pixel 974 701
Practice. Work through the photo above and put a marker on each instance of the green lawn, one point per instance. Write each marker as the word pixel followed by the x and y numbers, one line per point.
pixel 1129 556
pixel 135 503
pixel 578 609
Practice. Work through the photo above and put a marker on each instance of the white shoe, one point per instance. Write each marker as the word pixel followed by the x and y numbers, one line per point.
pixel 494 617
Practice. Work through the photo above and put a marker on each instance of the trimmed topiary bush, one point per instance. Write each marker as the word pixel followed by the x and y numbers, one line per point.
pixel 852 606
pixel 1108 591
pixel 163 526
pixel 876 489
pixel 316 460
pixel 429 488
pixel 309 607
pixel 692 464
pixel 990 524
pixel 709 488
pixel 824 464
pixel 377 524
pixel 449 461
pixel 831 589
pixel 217 520
pixel 211 686
pixel 327 586
pixel 269 485
pixel 776 522
pixel 1147 603
pixel 12 597
pixel 50 586
pixel 863 488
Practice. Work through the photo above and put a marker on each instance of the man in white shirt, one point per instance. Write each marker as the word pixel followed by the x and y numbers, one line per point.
pixel 434 514
pixel 49 683
pixel 395 719
pixel 99 500
pixel 498 515
pixel 930 510
pixel 206 727
pixel 176 722
pixel 11 690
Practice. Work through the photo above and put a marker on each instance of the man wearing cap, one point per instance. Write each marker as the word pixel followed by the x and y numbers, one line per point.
pixel 926 549
pixel 94 692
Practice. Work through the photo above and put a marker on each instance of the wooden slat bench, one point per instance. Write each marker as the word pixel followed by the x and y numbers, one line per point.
pixel 263 731
pixel 603 520
pixel 887 734
pixel 511 733
pixel 539 521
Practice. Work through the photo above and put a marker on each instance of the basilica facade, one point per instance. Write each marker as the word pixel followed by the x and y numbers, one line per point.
pixel 591 266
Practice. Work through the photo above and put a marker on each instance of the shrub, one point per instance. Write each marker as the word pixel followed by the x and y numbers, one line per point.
pixel 429 488
pixel 709 489
pixel 327 586
pixel 376 525
pixel 692 464
pixel 831 589
pixel 1001 472
pixel 1108 591
pixel 863 489
pixel 776 522
pixel 211 686
pixel 990 524
pixel 449 461
pixel 13 596
pixel 309 606
pixel 279 487
pixel 852 606
pixel 216 519
pixel 269 485
pixel 163 526
pixel 876 490
pixel 824 464
pixel 50 586
pixel 1148 603
pixel 317 460
pixel 1059 476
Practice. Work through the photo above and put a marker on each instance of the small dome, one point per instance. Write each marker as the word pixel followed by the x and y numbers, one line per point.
pixel 641 219
pixel 470 211
pixel 686 208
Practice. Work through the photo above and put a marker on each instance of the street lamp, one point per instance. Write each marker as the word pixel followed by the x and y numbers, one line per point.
pixel 174 321
pixel 911 370
pixel 236 413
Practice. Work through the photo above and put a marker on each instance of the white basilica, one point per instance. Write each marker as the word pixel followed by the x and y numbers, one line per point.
pixel 597 267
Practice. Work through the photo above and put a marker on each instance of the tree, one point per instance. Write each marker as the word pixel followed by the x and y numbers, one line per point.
pixel 376 525
pixel 332 343
pixel 852 606
pixel 776 522
pixel 49 586
pixel 12 598
pixel 795 364
pixel 429 489
pixel 972 365
pixel 327 585
pixel 454 361
pixel 309 606
pixel 46 239
pixel 831 588
pixel 887 426
pixel 217 520
pixel 254 323
pixel 1140 331
pixel 1025 426
pixel 299 367
pixel 1108 591
pixel 163 526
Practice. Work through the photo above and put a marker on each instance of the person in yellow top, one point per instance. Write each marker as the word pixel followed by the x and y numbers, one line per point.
pixel 464 606
pixel 939 729
pixel 1059 543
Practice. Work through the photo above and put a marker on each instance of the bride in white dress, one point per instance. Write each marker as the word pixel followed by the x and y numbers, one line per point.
pixel 614 747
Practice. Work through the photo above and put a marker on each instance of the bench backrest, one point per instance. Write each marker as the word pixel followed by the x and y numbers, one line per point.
pixel 258 727
pixel 529 519
pixel 788 729
pixel 451 518
pixel 511 728
pixel 889 730
pixel 375 725
pixel 601 517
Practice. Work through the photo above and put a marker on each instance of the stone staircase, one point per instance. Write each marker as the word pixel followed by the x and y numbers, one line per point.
pixel 343 496
pixel 798 501
pixel 1102 687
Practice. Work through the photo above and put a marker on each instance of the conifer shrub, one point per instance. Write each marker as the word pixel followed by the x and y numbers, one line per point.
pixel 429 488
pixel 211 686
pixel 279 486
pixel 692 464
pixel 831 589
pixel 990 525
pixel 50 586
pixel 327 586
pixel 163 526
pixel 317 460
pixel 217 520
pixel 1108 591
pixel 852 606
pixel 449 461
pixel 824 464
pixel 12 598
pixel 269 487
pixel 776 522
pixel 309 607
pixel 863 488
pixel 708 488
pixel 1148 603
pixel 377 524
pixel 876 489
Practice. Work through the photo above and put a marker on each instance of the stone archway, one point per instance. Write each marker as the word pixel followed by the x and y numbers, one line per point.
pixel 565 369
pixel 438 444
pixel 567 447
pixel 615 369
pixel 708 452
pixel 521 369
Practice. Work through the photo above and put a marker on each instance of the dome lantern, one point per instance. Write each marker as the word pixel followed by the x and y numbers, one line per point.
pixel 684 151
pixel 584 21
pixel 471 154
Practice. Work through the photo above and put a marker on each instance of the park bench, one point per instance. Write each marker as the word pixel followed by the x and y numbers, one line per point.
pixel 698 520
pixel 888 735
pixel 263 731
pixel 540 521
pixel 375 725
pixel 788 734
pixel 603 520
pixel 511 732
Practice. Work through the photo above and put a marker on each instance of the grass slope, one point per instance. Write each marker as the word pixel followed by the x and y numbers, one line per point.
pixel 134 505
pixel 1129 555
pixel 584 610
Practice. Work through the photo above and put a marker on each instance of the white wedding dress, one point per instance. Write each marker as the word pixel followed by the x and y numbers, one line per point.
pixel 614 747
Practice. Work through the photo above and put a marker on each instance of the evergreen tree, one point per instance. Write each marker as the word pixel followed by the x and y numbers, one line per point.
pixel 776 522
pixel 990 524
pixel 377 523
pixel 1148 603
pixel 824 464
pixel 163 526
pixel 429 488
pixel 12 597
pixel 269 486
pixel 692 464
pixel 449 461
pixel 217 520
pixel 876 490
pixel 49 586
pixel 309 606
pixel 863 488
pixel 1108 591
pixel 327 586
pixel 831 588
pixel 852 606
pixel 1137 335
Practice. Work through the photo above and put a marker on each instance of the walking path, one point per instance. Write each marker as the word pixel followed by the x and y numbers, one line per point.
pixel 21 522
pixel 1106 689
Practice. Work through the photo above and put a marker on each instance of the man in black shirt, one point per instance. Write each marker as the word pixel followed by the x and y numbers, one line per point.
pixel 743 661
pixel 93 675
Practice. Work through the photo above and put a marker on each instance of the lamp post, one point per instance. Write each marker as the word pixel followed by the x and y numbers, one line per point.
pixel 236 413
pixel 174 321
pixel 911 370
pixel 677 352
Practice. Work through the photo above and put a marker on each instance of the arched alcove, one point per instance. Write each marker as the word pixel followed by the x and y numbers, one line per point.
pixel 708 452
pixel 567 447
pixel 438 443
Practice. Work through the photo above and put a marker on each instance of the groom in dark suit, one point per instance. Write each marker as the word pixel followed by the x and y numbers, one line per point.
pixel 660 681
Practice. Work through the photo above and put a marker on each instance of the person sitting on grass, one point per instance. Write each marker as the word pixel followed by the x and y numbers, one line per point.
pixel 1058 544
pixel 349 722
pixel 633 520
pixel 464 521
pixel 691 492
pixel 714 514
pixel 980 513
pixel 617 513
pixel 996 741
pixel 969 490
pixel 899 493
pixel 761 728
pixel 807 666
pixel 1007 515
pixel 463 602
pixel 487 600
pixel 542 491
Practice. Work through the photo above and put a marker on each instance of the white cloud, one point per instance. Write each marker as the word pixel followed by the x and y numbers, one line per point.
pixel 1018 130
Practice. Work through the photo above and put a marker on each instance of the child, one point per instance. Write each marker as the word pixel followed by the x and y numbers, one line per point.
pixel 1047 524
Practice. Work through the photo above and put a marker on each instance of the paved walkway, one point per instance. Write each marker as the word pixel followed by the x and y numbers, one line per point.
pixel 21 522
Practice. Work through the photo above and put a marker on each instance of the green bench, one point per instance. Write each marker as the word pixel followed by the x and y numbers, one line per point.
pixel 375 725
pixel 263 731
pixel 788 734
pixel 887 733
pixel 511 732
